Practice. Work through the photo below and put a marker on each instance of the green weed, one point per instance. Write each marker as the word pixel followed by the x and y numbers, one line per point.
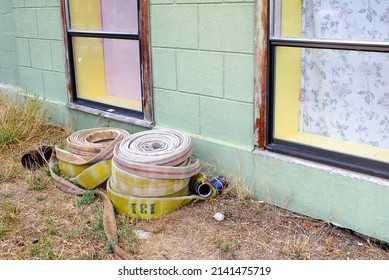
pixel 8 218
pixel 42 249
pixel 51 227
pixel 35 183
pixel 86 198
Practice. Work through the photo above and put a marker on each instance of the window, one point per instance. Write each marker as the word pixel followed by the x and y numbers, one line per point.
pixel 329 87
pixel 109 61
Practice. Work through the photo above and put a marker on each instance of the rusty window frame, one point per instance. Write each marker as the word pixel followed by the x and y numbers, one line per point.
pixel 146 118
pixel 263 96
pixel 260 72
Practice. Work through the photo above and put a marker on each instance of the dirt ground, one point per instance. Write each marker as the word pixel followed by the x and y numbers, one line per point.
pixel 38 221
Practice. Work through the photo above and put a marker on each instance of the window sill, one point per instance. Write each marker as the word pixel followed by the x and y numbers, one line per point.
pixel 321 166
pixel 338 145
pixel 108 115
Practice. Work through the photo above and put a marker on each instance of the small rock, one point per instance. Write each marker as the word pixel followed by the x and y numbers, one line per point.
pixel 218 216
pixel 141 234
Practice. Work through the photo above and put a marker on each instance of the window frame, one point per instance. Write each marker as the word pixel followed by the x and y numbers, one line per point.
pixel 144 118
pixel 265 95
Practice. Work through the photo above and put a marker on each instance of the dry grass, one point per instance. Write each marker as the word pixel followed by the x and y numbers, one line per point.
pixel 37 221
pixel 21 118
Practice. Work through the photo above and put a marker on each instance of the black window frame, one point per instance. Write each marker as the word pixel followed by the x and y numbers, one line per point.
pixel 143 118
pixel 321 155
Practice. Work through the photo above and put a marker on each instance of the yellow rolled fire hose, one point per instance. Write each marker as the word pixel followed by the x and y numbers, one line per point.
pixel 89 152
pixel 151 171
pixel 86 159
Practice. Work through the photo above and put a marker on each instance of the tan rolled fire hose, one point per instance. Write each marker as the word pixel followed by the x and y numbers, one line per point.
pixel 84 149
pixel 150 172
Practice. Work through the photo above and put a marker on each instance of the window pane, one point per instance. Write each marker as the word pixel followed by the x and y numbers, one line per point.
pixel 108 71
pixel 338 95
pixel 335 20
pixel 104 15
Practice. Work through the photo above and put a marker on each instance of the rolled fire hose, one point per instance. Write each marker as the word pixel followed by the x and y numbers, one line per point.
pixel 87 157
pixel 85 150
pixel 151 171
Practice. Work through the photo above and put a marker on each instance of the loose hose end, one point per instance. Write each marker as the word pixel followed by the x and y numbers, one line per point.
pixel 200 185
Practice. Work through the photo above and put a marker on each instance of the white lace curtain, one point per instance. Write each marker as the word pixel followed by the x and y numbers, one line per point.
pixel 345 94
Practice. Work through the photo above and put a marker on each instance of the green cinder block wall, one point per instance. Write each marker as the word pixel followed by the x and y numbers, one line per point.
pixel 8 51
pixel 203 84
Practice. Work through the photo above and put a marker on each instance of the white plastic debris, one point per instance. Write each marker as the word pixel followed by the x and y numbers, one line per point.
pixel 218 216
pixel 141 234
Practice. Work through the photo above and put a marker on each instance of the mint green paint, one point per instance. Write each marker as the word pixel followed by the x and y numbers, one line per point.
pixel 8 42
pixel 53 3
pixel 164 68
pixel 23 50
pixel 40 51
pixel 55 86
pixel 18 3
pixel 203 76
pixel 49 27
pixel 187 119
pixel 223 120
pixel 238 81
pixel 8 50
pixel 174 26
pixel 58 56
pixel 32 79
pixel 31 39
pixel 161 2
pixel 226 27
pixel 200 72
pixel 9 76
pixel 198 1
pixel 6 23
pixel 35 3
pixel 25 23
pixel 6 7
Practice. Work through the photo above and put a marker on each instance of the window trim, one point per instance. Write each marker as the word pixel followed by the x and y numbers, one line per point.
pixel 265 46
pixel 145 118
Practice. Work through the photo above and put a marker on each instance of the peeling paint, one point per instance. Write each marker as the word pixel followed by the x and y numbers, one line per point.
pixel 260 86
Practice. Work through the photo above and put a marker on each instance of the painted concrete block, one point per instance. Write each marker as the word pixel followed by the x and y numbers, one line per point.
pixel 177 110
pixel 52 3
pixel 41 54
pixel 5 6
pixel 200 72
pixel 164 68
pixel 198 1
pixel 8 42
pixel 174 26
pixel 4 59
pixel 152 2
pixel 25 23
pixel 58 57
pixel 9 76
pixel 6 23
pixel 227 27
pixel 32 79
pixel 23 48
pixel 239 77
pixel 227 121
pixel 35 3
pixel 49 23
pixel 230 1
pixel 55 86
pixel 18 3
pixel 11 60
